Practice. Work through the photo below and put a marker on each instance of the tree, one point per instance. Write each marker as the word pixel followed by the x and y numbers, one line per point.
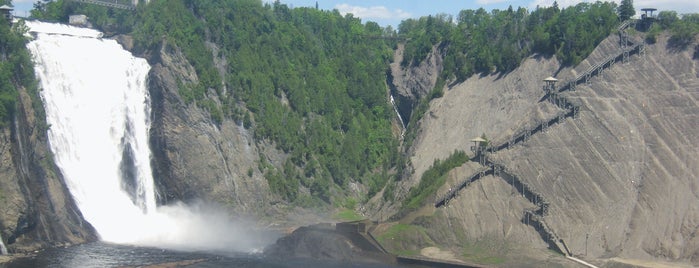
pixel 626 10
pixel 683 33
pixel 667 18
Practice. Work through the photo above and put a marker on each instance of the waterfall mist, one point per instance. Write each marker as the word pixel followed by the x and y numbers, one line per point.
pixel 98 108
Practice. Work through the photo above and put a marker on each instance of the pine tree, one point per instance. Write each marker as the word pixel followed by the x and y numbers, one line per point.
pixel 626 10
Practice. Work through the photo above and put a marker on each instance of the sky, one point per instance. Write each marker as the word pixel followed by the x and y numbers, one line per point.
pixel 392 12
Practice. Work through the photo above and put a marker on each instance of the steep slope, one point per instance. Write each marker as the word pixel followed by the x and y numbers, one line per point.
pixel 195 158
pixel 488 211
pixel 38 210
pixel 625 172
pixel 409 85
pixel 620 179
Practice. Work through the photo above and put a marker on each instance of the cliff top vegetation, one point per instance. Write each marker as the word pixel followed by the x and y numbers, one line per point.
pixel 313 81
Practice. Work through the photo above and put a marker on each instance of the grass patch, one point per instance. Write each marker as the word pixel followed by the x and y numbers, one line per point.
pixel 404 239
pixel 482 255
pixel 395 231
pixel 348 215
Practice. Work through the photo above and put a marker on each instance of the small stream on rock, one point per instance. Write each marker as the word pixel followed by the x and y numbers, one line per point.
pixel 400 118
pixel 3 249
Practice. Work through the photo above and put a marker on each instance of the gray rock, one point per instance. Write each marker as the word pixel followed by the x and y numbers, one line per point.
pixel 195 158
pixel 624 174
pixel 38 210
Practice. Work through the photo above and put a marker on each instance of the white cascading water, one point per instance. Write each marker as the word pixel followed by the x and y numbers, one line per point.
pixel 98 108
pixel 3 249
pixel 395 108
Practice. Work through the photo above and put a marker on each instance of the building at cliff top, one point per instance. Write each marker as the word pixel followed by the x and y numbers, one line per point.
pixel 6 12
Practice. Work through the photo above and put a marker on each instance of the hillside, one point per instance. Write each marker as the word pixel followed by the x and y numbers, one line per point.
pixel 607 174
pixel 625 172
pixel 284 114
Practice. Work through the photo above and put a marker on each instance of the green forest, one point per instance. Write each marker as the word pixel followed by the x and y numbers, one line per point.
pixel 485 42
pixel 16 70
pixel 313 81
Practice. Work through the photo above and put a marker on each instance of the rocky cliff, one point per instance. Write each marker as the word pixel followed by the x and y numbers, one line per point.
pixel 620 178
pixel 625 173
pixel 38 210
pixel 196 159
pixel 410 84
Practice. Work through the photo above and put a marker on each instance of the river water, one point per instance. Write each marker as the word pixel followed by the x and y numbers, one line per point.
pixel 102 254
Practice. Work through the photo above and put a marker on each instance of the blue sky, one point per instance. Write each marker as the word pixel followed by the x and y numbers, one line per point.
pixel 391 12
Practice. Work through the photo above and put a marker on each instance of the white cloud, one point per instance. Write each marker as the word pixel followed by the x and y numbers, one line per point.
pixel 374 12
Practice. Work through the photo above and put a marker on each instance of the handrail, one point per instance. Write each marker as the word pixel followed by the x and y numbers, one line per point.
pixel 108 4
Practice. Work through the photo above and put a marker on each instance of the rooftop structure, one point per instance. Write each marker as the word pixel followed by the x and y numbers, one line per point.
pixel 550 84
pixel 6 12
pixel 648 13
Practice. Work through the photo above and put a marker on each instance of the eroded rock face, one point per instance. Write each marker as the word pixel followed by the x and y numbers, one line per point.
pixel 410 84
pixel 625 173
pixel 37 209
pixel 193 157
pixel 621 179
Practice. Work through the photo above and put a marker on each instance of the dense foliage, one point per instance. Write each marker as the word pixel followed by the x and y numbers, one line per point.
pixel 16 68
pixel 106 19
pixel 626 10
pixel 483 42
pixel 310 81
pixel 683 30
pixel 433 178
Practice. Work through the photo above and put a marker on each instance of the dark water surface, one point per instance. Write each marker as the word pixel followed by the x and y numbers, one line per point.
pixel 101 254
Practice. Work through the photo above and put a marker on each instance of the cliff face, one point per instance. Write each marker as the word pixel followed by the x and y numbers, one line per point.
pixel 625 173
pixel 195 158
pixel 410 84
pixel 621 179
pixel 38 210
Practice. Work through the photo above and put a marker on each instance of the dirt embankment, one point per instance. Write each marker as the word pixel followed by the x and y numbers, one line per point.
pixel 621 178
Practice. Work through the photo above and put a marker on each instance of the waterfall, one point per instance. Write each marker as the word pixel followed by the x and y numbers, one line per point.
pixel 98 109
pixel 3 249
pixel 97 105
pixel 395 108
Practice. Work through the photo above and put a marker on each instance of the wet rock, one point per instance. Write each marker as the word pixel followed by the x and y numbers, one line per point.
pixel 38 211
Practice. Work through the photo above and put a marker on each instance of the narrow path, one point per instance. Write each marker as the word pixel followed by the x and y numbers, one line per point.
pixel 581 261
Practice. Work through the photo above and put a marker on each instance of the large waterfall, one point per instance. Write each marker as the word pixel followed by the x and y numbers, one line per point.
pixel 98 108
pixel 3 249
